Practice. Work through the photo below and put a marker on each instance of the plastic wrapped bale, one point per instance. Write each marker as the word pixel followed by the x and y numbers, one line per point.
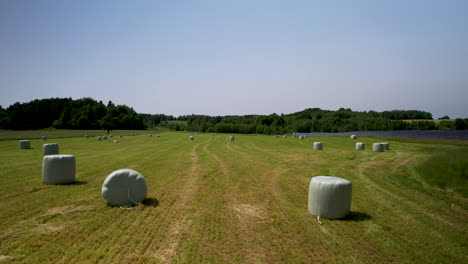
pixel 301 137
pixel 44 138
pixel 192 138
pixel 360 146
pixel 116 141
pixel 386 145
pixel 231 138
pixel 104 137
pixel 318 146
pixel 58 169
pixel 378 147
pixel 99 138
pixel 111 136
pixel 353 136
pixel 120 136
pixel 276 136
pixel 124 187
pixel 50 149
pixel 329 197
pixel 149 135
pixel 24 144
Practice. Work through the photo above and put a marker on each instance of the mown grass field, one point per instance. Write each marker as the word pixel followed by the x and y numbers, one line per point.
pixel 215 201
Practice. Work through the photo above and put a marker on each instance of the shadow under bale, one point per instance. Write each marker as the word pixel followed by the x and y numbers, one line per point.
pixel 153 202
pixel 356 217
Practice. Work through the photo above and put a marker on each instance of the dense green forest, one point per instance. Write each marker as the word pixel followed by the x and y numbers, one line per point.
pixel 85 113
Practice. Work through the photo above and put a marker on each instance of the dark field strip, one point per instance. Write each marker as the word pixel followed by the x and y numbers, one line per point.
pixel 217 201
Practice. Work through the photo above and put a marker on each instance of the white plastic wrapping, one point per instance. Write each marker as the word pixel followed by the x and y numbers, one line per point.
pixel 329 197
pixel 353 136
pixel 360 146
pixel 50 149
pixel 378 147
pixel 231 138
pixel 318 146
pixel 44 138
pixel 386 145
pixel 99 138
pixel 24 144
pixel 58 169
pixel 192 138
pixel 124 187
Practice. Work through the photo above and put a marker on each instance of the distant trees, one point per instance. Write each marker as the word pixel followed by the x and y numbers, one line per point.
pixel 406 114
pixel 85 113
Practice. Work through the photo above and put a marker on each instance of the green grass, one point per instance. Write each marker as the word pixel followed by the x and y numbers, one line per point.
pixel 245 201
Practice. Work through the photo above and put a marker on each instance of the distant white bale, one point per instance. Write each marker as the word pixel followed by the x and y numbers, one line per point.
pixel 231 138
pixel 24 144
pixel 285 136
pixel 149 135
pixel 329 197
pixel 124 187
pixel 378 147
pixel 44 138
pixel 386 145
pixel 58 169
pixel 353 136
pixel 192 138
pixel 116 141
pixel 360 146
pixel 99 138
pixel 50 149
pixel 318 146
pixel 120 136
pixel 104 137
pixel 301 137
pixel 276 136
pixel 111 136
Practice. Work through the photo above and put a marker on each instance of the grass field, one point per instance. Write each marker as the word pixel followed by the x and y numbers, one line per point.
pixel 215 201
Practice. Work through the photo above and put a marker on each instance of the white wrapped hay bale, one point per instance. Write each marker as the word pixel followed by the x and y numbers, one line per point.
pixel 192 138
pixel 386 145
pixel 149 135
pixel 44 138
pixel 116 141
pixel 353 136
pixel 50 149
pixel 120 136
pixel 104 137
pixel 378 147
pixel 231 138
pixel 124 187
pixel 318 146
pixel 58 169
pixel 24 144
pixel 301 137
pixel 329 197
pixel 99 138
pixel 111 136
pixel 276 136
pixel 360 146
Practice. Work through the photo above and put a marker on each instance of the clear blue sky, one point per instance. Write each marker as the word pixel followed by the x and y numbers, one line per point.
pixel 238 57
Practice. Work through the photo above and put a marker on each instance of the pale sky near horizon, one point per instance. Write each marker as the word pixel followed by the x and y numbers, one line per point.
pixel 238 57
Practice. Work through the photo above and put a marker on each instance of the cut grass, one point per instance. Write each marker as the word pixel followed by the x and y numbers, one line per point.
pixel 217 201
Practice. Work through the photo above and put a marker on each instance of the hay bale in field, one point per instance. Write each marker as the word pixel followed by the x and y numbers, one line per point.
pixel 104 137
pixel 360 146
pixel 111 136
pixel 192 138
pixel 99 138
pixel 301 137
pixel 378 147
pixel 116 141
pixel 149 135
pixel 50 149
pixel 285 136
pixel 276 136
pixel 44 138
pixel 124 187
pixel 24 144
pixel 120 136
pixel 58 169
pixel 386 145
pixel 353 136
pixel 318 146
pixel 329 197
pixel 231 138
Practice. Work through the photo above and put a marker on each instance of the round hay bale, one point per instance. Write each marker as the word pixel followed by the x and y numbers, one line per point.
pixel 149 135
pixel 24 144
pixel 386 145
pixel 353 136
pixel 360 146
pixel 318 146
pixel 99 138
pixel 44 138
pixel 124 187
pixel 192 138
pixel 329 197
pixel 104 137
pixel 120 136
pixel 231 138
pixel 50 149
pixel 116 141
pixel 58 169
pixel 111 136
pixel 378 147
pixel 301 137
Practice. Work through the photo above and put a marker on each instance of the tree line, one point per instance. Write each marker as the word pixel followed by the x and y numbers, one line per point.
pixel 85 113
pixel 308 120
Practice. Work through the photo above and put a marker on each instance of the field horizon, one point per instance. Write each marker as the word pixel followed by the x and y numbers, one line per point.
pixel 212 200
